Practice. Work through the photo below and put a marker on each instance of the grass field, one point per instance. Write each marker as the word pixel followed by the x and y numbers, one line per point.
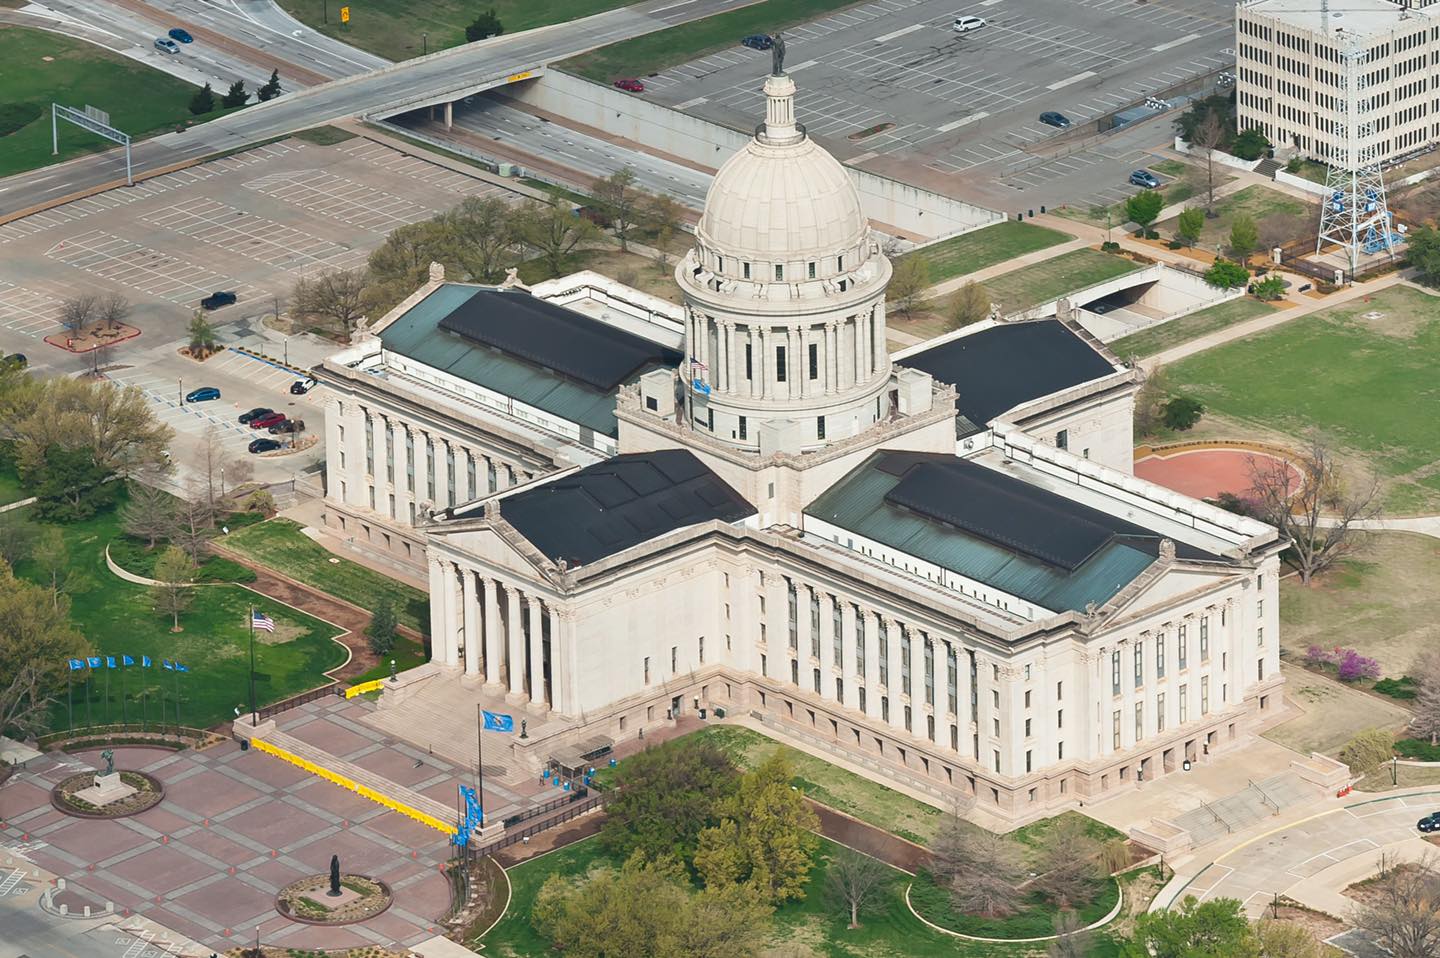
pixel 1042 282
pixel 812 926
pixel 653 52
pixel 10 488
pixel 994 244
pixel 281 545
pixel 1366 383
pixel 1331 714
pixel 1258 201
pixel 118 618
pixel 140 100
pixel 1157 339
pixel 395 29
pixel 1404 776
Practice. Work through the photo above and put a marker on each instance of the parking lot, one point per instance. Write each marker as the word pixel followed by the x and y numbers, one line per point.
pixel 251 223
pixel 891 82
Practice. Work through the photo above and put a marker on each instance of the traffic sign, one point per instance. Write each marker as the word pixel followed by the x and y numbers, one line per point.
pixel 344 14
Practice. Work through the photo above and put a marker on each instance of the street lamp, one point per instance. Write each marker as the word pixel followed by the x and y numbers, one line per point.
pixel 181 383
pixel 424 44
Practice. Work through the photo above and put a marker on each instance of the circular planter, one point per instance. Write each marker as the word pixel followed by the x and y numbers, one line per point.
pixel 151 793
pixel 291 901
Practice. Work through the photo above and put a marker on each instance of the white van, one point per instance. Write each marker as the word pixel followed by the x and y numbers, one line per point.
pixel 966 24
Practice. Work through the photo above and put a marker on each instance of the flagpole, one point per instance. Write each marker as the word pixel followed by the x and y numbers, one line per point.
pixel 124 695
pixel 177 701
pixel 89 715
pixel 70 693
pixel 107 694
pixel 254 717
pixel 480 758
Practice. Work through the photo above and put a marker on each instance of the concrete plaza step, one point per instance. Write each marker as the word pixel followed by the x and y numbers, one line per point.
pixel 362 776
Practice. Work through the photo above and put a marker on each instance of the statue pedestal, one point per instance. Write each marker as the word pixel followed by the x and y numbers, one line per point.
pixel 346 896
pixel 107 789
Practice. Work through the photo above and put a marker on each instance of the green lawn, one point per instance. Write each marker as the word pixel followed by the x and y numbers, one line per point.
pixel 10 488
pixel 1034 920
pixel 42 67
pixel 118 619
pixel 1157 339
pixel 653 52
pixel 982 248
pixel 1260 202
pixel 281 545
pixel 396 29
pixel 1043 282
pixel 1367 383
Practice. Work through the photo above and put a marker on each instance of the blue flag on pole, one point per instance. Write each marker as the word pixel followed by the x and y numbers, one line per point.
pixel 495 722
pixel 181 668
pixel 145 662
pixel 126 660
pixel 76 665
pixel 110 661
pixel 93 661
pixel 167 666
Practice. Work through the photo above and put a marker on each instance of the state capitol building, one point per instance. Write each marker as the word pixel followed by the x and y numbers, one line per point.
pixel 935 567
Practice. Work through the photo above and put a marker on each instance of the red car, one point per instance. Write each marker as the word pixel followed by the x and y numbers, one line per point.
pixel 265 422
pixel 630 85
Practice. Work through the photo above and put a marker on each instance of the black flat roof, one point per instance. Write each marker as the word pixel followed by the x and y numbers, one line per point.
pixel 999 368
pixel 610 506
pixel 570 343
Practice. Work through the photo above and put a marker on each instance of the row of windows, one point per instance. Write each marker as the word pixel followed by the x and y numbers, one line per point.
pixel 758 269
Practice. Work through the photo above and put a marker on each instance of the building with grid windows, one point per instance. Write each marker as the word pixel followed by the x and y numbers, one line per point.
pixel 1290 76
pixel 941 573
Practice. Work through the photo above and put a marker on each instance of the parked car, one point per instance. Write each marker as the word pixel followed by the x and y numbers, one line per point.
pixel 180 36
pixel 166 45
pixel 267 420
pixel 758 41
pixel 630 85
pixel 254 414
pixel 217 299
pixel 265 445
pixel 1430 823
pixel 1146 179
pixel 966 24
pixel 288 426
pixel 203 394
pixel 301 386
pixel 1051 118
pixel 17 361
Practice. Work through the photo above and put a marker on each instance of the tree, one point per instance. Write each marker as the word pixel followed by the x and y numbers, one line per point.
pixel 620 201
pixel 235 96
pixel 171 593
pixel 1149 398
pixel 1068 865
pixel 203 101
pixel 53 559
pixel 1183 412
pixel 553 230
pixel 78 312
pixel 1224 274
pixel 1404 917
pixel 665 796
pixel 908 283
pixel 481 237
pixel 70 485
pixel 485 25
pixel 1190 224
pixel 1215 929
pixel 337 295
pixel 1208 135
pixel 766 840
pixel 380 633
pixel 1425 722
pixel 1217 106
pixel 202 336
pixel 17 536
pixel 1283 939
pixel 112 309
pixel 212 461
pixel 117 425
pixel 1270 288
pixel 662 215
pixel 1071 939
pixel 193 524
pixel 36 640
pixel 969 304
pixel 855 880
pixel 1368 750
pixel 1251 144
pixel 1142 208
pixel 1244 237
pixel 401 264
pixel 149 514
pixel 271 89
pixel 980 869
pixel 1313 505
pixel 1422 246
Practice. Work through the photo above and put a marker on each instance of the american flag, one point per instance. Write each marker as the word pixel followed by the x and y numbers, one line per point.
pixel 259 620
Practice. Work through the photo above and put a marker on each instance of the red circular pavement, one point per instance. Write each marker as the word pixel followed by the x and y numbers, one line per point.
pixel 1205 473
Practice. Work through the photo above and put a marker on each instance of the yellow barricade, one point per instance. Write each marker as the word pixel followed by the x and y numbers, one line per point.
pixel 374 685
pixel 361 790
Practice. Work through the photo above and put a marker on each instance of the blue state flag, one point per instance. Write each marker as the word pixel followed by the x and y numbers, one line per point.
pixel 145 662
pixel 495 722
pixel 167 666
pixel 126 660
pixel 110 661
pixel 75 665
pixel 181 668
pixel 93 661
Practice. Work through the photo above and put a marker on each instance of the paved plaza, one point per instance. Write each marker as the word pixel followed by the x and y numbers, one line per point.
pixel 236 826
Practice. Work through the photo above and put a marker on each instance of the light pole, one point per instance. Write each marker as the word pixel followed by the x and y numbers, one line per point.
pixel 287 350
pixel 181 383
pixel 424 44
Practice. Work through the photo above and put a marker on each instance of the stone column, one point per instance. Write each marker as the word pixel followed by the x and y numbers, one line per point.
pixel 560 676
pixel 862 350
pixel 422 466
pixel 849 665
pixel 442 472
pixel 962 701
pixel 437 612
pixel 537 652
pixel 897 705
pixel 877 319
pixel 453 613
pixel 403 492
pixel 732 362
pixel 803 638
pixel 872 662
pixel 474 628
pixel 494 641
pixel 515 634
pixel 832 358
pixel 758 365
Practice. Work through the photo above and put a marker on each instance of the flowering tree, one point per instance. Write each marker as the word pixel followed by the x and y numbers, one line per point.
pixel 1354 666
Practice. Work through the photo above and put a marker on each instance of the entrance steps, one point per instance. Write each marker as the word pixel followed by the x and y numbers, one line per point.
pixel 1254 803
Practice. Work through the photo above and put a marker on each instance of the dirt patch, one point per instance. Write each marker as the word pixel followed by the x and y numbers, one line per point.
pixel 92 338
pixel 1370 890
pixel 567 834
pixel 1319 924
pixel 1392 322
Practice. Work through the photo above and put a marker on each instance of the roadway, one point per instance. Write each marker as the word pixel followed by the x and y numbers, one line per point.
pixel 470 66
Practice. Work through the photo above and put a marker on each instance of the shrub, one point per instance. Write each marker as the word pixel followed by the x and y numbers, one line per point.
pixel 1109 247
pixel 1250 145
pixel 1270 288
pixel 1294 165
pixel 1353 666
pixel 1418 749
pixel 1152 234
pixel 1227 275
pixel 1368 750
pixel 1402 688
pixel 1318 658
pixel 1174 244
pixel 1182 412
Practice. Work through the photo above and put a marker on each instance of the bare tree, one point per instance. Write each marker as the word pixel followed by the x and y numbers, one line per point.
pixel 620 200
pixel 1209 134
pixel 854 880
pixel 171 593
pixel 1071 940
pixel 1317 510
pixel 1149 398
pixel 1283 939
pixel 969 304
pixel 78 312
pixel 112 309
pixel 17 536
pixel 193 525
pixel 1068 864
pixel 336 295
pixel 981 869
pixel 53 558
pixel 236 471
pixel 213 458
pixel 1404 915
pixel 149 514
pixel 1425 723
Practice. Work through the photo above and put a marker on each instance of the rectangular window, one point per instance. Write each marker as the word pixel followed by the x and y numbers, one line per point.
pixel 1027 698
pixel 792 599
pixel 780 364
pixel 814 624
pixel 837 633
pixel 794 672
pixel 952 679
pixel 1260 638
pixel 429 469
pixel 815 680
pixel 884 708
pixel 1060 757
pixel 700 650
pixel 905 685
pixel 1160 655
pixel 1260 670
pixel 819 427
pixel 1062 439
pixel 1160 712
pixel 1204 695
pixel 744 427
pixel 647 670
pixel 860 643
pixel 779 272
pixel 710 418
pixel 449 473
pixel 908 714
pixel 1115 729
pixel 814 360
pixel 749 364
pixel 1028 727
pixel 369 445
pixel 882 643
pixel 1139 665
pixel 1139 721
pixel 929 672
pixel 1059 718
pixel 1183 649
pixel 1115 672
pixel 1029 763
pixel 1204 639
pixel 470 476
pixel 1184 704
pixel 674 659
pixel 745 270
pixel 812 271
pixel 861 697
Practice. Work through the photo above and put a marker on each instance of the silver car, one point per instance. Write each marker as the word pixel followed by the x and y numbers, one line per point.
pixel 166 45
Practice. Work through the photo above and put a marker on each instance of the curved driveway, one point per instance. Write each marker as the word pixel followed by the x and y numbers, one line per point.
pixel 1313 859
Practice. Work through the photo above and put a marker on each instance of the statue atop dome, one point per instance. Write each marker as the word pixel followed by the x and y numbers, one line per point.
pixel 777 55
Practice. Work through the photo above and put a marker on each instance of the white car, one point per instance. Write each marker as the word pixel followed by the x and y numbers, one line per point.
pixel 166 45
pixel 966 24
